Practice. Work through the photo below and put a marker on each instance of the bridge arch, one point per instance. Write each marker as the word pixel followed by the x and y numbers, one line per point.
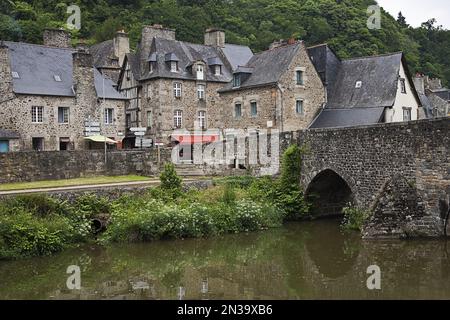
pixel 329 192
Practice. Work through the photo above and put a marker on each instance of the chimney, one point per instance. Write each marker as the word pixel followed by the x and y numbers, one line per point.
pixel 121 45
pixel 419 84
pixel 6 81
pixel 59 38
pixel 83 83
pixel 215 38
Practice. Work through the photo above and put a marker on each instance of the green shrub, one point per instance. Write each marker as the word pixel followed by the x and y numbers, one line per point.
pixel 170 181
pixel 229 195
pixel 354 218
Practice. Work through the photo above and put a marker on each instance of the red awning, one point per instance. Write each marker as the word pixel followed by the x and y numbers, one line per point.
pixel 191 139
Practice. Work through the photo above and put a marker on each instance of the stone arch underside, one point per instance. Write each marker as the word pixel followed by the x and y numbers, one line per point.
pixel 328 193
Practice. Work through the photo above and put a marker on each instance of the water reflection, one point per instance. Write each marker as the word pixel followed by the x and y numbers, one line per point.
pixel 301 261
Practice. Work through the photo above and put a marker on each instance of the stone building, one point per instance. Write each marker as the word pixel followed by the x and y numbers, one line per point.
pixel 363 91
pixel 174 84
pixel 179 85
pixel 434 97
pixel 109 55
pixel 48 93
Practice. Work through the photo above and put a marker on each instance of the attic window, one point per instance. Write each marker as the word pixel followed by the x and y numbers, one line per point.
pixel 218 70
pixel 236 80
pixel 358 85
pixel 173 66
pixel 57 78
pixel 15 75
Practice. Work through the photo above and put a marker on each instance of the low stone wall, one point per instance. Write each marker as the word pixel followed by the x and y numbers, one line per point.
pixel 49 165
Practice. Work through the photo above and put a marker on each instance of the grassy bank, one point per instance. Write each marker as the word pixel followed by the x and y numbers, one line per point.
pixel 40 225
pixel 71 182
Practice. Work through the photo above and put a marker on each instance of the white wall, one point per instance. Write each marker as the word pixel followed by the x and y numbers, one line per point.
pixel 395 114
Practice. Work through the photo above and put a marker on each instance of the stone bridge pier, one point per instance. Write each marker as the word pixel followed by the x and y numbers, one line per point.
pixel 400 172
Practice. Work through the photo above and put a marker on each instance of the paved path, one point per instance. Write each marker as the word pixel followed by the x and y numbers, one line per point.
pixel 88 187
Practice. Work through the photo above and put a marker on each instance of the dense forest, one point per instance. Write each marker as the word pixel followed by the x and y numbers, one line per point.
pixel 340 23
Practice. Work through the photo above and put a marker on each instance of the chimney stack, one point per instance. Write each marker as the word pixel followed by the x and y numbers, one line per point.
pixel 59 38
pixel 121 45
pixel 419 84
pixel 6 81
pixel 215 38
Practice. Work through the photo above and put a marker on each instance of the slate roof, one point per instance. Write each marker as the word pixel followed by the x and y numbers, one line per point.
pixel 186 54
pixel 103 53
pixel 266 67
pixel 426 104
pixel 37 65
pixel 237 55
pixel 6 134
pixel 326 62
pixel 442 93
pixel 379 77
pixel 336 118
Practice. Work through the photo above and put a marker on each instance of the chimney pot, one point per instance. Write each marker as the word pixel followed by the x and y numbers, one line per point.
pixel 59 38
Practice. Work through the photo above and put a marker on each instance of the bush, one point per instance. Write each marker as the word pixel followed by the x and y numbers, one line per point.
pixel 170 181
pixel 354 218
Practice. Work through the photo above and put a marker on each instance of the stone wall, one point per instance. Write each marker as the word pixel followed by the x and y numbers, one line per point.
pixel 368 157
pixel 36 166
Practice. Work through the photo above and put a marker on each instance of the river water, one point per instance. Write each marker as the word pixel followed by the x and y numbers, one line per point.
pixel 308 260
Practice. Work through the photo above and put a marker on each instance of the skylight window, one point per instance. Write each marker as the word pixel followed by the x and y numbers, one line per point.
pixel 358 84
pixel 15 75
pixel 57 78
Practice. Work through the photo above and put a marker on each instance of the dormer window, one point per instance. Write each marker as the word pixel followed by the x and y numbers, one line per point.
pixel 57 78
pixel 236 80
pixel 15 75
pixel 150 67
pixel 173 66
pixel 200 72
pixel 172 60
pixel 217 70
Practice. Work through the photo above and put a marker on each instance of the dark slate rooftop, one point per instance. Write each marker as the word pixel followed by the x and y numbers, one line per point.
pixel 186 54
pixel 267 67
pixel 6 134
pixel 443 93
pixel 337 118
pixel 237 55
pixel 103 54
pixel 326 62
pixel 37 65
pixel 379 78
pixel 426 104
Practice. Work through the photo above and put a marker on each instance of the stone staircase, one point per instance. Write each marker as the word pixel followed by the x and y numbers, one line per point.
pixel 189 170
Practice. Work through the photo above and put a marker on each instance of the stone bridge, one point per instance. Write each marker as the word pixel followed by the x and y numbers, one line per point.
pixel 400 172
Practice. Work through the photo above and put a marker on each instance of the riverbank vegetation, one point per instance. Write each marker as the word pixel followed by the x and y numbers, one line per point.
pixel 42 225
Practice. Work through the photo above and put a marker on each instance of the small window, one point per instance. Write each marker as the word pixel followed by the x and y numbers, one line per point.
pixel 109 115
pixel 15 75
pixel 63 115
pixel 149 91
pixel 237 110
pixel 57 78
pixel 358 85
pixel 218 70
pixel 177 89
pixel 202 119
pixel 236 80
pixel 403 85
pixel 201 92
pixel 37 114
pixel 178 118
pixel 406 114
pixel 149 119
pixel 200 72
pixel 128 73
pixel 253 108
pixel 150 67
pixel 173 66
pixel 300 80
pixel 299 107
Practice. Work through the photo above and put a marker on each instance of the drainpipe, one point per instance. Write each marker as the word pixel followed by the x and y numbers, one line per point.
pixel 446 219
